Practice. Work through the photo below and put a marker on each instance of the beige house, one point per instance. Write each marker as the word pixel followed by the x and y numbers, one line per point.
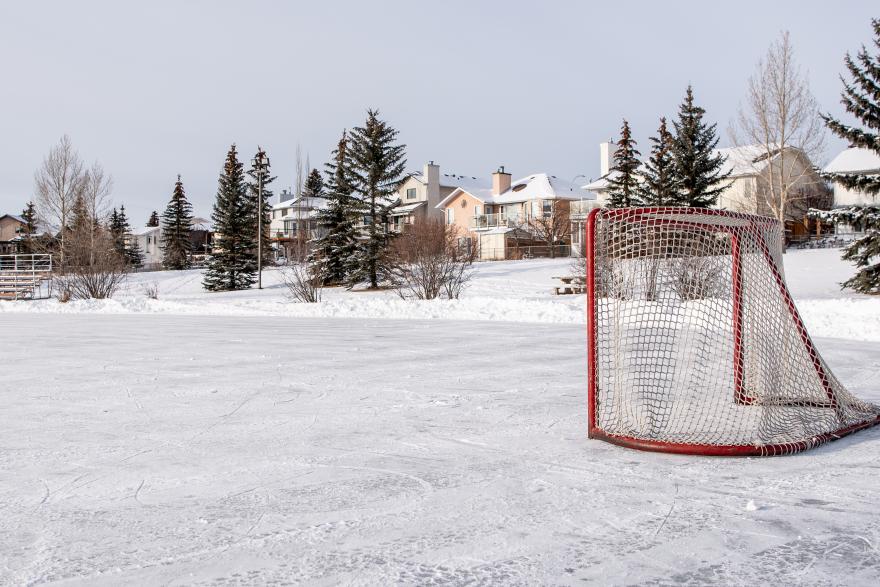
pixel 748 186
pixel 10 229
pixel 513 219
pixel 420 193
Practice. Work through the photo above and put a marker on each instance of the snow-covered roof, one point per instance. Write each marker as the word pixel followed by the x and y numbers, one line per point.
pixel 453 180
pixel 531 187
pixel 406 208
pixel 739 161
pixel 302 202
pixel 143 230
pixel 855 160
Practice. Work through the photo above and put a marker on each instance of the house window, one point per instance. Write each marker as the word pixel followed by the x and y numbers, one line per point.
pixel 464 245
pixel 411 194
pixel 368 220
pixel 548 208
pixel 450 215
pixel 476 210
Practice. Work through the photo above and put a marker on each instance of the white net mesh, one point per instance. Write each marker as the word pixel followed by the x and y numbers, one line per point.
pixel 697 342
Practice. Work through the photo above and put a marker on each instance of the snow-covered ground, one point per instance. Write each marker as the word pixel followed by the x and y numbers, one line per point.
pixel 243 439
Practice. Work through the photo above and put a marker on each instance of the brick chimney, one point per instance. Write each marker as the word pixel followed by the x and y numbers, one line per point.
pixel 431 174
pixel 500 181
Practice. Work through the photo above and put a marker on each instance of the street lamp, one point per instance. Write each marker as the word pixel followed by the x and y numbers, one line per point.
pixel 260 163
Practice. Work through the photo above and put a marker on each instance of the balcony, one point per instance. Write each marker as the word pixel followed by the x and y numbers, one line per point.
pixel 503 220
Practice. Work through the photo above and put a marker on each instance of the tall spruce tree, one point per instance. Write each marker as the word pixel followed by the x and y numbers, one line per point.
pixel 659 185
pixel 176 230
pixel 153 221
pixel 698 170
pixel 314 186
pixel 338 245
pixel 861 98
pixel 123 243
pixel 116 232
pixel 253 203
pixel 29 215
pixel 623 178
pixel 377 167
pixel 233 263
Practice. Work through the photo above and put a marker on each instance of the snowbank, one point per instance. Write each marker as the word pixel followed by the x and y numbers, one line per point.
pixel 513 291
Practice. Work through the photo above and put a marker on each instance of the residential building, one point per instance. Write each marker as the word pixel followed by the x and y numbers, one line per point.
pixel 149 240
pixel 513 219
pixel 11 228
pixel 853 161
pixel 420 193
pixel 747 188
pixel 295 219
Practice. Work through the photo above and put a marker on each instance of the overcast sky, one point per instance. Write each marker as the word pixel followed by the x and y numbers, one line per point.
pixel 153 89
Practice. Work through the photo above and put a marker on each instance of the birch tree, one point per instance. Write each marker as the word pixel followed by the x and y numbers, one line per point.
pixel 780 120
pixel 57 183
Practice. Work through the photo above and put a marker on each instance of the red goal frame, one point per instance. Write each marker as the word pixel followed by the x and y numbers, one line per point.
pixel 743 222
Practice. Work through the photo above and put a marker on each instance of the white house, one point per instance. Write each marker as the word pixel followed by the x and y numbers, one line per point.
pixel 854 161
pixel 149 240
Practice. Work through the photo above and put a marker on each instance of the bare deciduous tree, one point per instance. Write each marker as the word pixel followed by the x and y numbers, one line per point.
pixel 430 262
pixel 781 120
pixel 57 183
pixel 301 274
pixel 553 225
pixel 96 189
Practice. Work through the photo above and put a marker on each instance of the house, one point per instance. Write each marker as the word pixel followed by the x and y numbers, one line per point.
pixel 747 189
pixel 752 172
pixel 420 193
pixel 149 240
pixel 11 228
pixel 295 219
pixel 853 161
pixel 514 219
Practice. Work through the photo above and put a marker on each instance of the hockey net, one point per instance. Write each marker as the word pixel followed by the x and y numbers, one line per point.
pixel 695 343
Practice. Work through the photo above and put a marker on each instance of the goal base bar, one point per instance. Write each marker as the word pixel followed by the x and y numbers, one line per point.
pixel 734 450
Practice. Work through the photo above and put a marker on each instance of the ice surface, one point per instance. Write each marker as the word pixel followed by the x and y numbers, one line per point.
pixel 252 446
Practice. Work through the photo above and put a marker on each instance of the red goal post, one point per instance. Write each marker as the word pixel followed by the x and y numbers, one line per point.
pixel 694 343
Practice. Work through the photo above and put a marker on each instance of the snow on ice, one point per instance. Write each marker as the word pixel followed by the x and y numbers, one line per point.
pixel 240 438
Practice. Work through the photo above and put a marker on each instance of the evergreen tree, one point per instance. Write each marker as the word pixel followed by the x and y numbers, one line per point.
pixel 861 98
pixel 314 187
pixel 335 249
pixel 697 171
pixel 233 263
pixel 153 221
pixel 377 166
pixel 123 243
pixel 29 215
pixel 623 177
pixel 176 226
pixel 117 232
pixel 659 186
pixel 253 201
